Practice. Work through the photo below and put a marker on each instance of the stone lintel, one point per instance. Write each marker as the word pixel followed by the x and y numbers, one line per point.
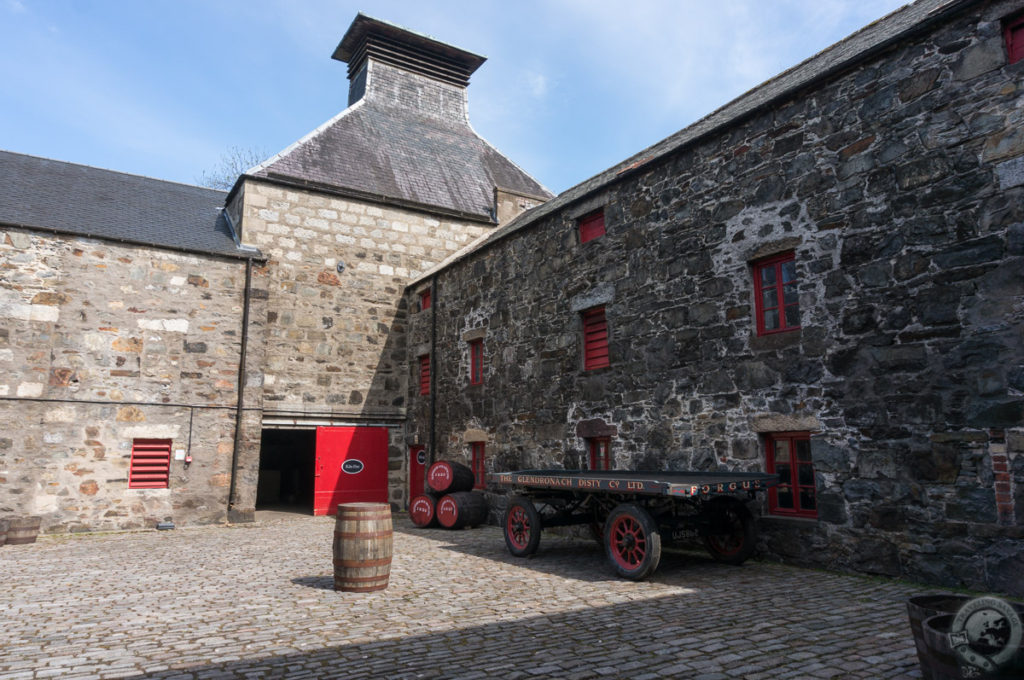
pixel 777 422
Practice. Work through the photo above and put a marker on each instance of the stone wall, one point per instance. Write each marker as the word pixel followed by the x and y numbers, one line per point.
pixel 101 344
pixel 895 186
pixel 334 323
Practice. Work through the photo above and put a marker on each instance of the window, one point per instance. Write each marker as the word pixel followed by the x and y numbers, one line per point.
pixel 478 464
pixel 476 362
pixel 425 374
pixel 789 456
pixel 151 464
pixel 1013 32
pixel 775 296
pixel 600 453
pixel 591 226
pixel 595 339
pixel 425 300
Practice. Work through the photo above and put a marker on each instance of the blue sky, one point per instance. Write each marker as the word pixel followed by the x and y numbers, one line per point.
pixel 163 88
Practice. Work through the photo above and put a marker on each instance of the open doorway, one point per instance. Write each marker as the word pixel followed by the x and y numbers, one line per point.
pixel 287 458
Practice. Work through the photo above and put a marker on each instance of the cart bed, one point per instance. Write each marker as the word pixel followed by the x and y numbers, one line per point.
pixel 652 483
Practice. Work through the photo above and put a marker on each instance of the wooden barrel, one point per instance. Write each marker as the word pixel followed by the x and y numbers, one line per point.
pixel 462 509
pixel 942 660
pixel 921 607
pixel 362 547
pixel 447 476
pixel 423 510
pixel 22 530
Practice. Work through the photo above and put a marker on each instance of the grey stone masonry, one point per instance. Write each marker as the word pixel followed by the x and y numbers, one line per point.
pixel 893 185
pixel 100 345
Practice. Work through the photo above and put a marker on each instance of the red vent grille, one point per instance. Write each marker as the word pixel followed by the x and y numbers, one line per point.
pixel 592 226
pixel 595 339
pixel 425 374
pixel 151 464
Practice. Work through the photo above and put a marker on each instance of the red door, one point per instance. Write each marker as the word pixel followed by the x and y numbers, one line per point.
pixel 351 467
pixel 417 471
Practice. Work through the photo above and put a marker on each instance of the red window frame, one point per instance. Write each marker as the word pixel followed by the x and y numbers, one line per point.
pixel 478 450
pixel 150 466
pixel 788 454
pixel 425 374
pixel 591 226
pixel 425 300
pixel 1013 33
pixel 600 453
pixel 476 362
pixel 595 339
pixel 773 279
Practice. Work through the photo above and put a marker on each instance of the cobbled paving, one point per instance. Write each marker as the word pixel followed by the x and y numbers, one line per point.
pixel 257 601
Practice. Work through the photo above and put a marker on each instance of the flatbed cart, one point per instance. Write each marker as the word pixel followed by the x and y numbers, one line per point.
pixel 631 513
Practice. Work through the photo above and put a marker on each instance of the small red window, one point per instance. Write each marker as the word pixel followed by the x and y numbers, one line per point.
pixel 600 453
pixel 478 465
pixel 425 374
pixel 595 339
pixel 151 464
pixel 789 457
pixel 1013 32
pixel 775 295
pixel 425 300
pixel 476 362
pixel 591 226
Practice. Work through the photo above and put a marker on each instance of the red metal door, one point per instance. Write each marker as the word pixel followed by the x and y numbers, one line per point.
pixel 417 471
pixel 351 467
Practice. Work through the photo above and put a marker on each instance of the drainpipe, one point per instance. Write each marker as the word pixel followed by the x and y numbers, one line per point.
pixel 433 368
pixel 241 392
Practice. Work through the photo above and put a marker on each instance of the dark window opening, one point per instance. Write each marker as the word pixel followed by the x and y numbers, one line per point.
pixel 775 295
pixel 476 362
pixel 477 449
pixel 1013 33
pixel 789 457
pixel 600 453
pixel 287 462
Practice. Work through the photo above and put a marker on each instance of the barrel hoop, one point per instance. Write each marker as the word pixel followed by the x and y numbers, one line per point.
pixel 363 534
pixel 369 589
pixel 361 579
pixel 362 563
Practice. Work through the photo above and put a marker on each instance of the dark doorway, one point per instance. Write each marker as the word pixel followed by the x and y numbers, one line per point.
pixel 286 470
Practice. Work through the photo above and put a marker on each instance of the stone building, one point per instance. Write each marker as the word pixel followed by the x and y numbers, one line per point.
pixel 822 279
pixel 234 349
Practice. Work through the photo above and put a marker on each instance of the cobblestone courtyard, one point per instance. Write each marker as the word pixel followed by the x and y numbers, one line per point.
pixel 257 602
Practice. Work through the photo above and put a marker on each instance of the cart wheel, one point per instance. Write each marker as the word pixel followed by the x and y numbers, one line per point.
pixel 632 542
pixel 731 535
pixel 522 527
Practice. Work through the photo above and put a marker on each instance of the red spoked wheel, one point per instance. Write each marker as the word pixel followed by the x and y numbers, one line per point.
pixel 522 527
pixel 632 542
pixel 732 535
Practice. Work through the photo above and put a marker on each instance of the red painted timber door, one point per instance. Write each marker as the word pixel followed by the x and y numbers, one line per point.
pixel 351 467
pixel 417 471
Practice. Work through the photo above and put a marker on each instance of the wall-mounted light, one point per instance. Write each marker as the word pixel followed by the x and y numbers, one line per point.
pixel 341 267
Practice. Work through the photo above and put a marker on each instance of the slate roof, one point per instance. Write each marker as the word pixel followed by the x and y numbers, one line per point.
pixel 852 50
pixel 380 153
pixel 39 193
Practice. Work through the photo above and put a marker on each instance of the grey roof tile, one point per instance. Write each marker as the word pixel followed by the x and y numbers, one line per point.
pixel 78 199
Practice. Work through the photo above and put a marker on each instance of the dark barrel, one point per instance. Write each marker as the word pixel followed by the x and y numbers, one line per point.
pixel 22 530
pixel 362 547
pixel 921 607
pixel 942 659
pixel 446 476
pixel 422 510
pixel 462 509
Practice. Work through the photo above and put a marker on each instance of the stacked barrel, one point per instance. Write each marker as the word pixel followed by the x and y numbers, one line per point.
pixel 451 501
